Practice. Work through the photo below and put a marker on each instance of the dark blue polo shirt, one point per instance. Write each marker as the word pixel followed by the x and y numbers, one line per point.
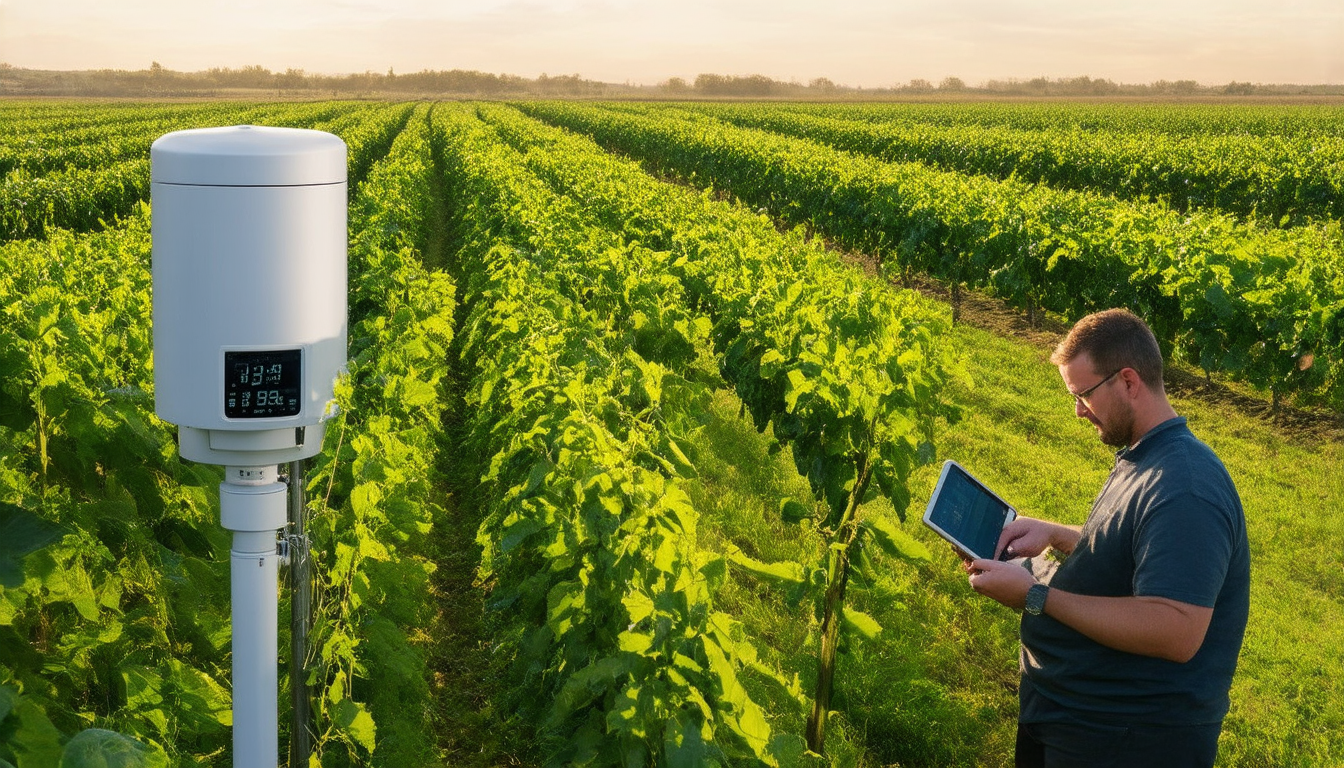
pixel 1167 523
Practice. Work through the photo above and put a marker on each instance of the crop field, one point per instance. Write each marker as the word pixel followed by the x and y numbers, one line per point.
pixel 644 403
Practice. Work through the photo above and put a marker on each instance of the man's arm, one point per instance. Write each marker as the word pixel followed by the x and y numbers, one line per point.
pixel 1147 626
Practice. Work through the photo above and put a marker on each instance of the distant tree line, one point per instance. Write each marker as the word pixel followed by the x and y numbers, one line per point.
pixel 160 82
pixel 759 86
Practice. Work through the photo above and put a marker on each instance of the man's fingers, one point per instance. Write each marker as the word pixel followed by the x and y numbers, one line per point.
pixel 977 567
pixel 1007 538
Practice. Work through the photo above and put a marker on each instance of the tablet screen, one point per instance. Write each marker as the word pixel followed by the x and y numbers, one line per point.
pixel 966 512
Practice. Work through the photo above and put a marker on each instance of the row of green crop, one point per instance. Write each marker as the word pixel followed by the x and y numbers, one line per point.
pixel 79 199
pixel 1295 120
pixel 113 567
pixel 375 491
pixel 47 151
pixel 32 127
pixel 578 399
pixel 1264 306
pixel 1282 180
pixel 38 149
pixel 845 369
pixel 86 198
pixel 112 610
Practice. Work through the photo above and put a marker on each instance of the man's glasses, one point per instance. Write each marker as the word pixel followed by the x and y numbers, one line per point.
pixel 1081 397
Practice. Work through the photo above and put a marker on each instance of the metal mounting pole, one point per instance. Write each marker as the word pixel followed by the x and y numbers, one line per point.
pixel 252 505
pixel 300 618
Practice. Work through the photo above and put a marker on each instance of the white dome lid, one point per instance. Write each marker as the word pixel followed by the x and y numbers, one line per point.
pixel 248 156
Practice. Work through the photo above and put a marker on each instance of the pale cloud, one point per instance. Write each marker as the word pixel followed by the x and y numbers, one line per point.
pixel 867 43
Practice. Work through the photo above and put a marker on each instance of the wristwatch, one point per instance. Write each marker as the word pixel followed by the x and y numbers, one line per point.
pixel 1036 599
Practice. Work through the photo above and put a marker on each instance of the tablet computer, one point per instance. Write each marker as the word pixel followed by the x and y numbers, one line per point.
pixel 965 512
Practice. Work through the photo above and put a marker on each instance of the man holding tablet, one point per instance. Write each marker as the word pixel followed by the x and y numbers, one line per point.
pixel 1128 653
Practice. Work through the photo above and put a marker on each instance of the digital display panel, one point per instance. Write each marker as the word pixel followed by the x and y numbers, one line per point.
pixel 968 512
pixel 263 385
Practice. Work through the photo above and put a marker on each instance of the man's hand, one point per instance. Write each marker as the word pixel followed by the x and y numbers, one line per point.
pixel 1006 583
pixel 1029 537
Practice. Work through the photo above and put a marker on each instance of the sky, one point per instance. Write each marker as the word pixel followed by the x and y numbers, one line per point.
pixel 868 43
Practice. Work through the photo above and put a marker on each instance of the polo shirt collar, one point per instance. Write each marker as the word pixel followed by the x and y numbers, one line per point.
pixel 1154 436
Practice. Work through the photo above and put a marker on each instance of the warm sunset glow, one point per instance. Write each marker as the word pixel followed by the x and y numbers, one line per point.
pixel 862 43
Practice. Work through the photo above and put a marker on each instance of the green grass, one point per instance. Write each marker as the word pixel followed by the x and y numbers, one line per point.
pixel 938 687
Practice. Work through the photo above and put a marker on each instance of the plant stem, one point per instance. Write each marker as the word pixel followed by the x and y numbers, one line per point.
pixel 837 579
pixel 40 405
pixel 42 442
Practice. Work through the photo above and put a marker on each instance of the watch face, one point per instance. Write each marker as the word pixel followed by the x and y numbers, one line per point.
pixel 1036 599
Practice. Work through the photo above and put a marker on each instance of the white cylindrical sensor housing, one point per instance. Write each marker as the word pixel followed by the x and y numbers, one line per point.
pixel 249 269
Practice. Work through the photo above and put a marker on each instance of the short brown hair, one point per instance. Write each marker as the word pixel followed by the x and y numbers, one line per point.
pixel 1114 339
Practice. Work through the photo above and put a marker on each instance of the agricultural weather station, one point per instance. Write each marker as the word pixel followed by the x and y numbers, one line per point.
pixel 249 278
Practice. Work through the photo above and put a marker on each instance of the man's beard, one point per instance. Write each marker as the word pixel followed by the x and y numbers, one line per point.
pixel 1118 430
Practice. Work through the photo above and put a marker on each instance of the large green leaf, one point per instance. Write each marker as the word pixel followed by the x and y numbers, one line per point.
pixel 8 698
pixel 354 721
pixel 21 533
pixel 861 622
pixel 590 682
pixel 200 698
pixel 34 741
pixel 97 748
pixel 684 745
pixel 785 571
pixel 894 541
